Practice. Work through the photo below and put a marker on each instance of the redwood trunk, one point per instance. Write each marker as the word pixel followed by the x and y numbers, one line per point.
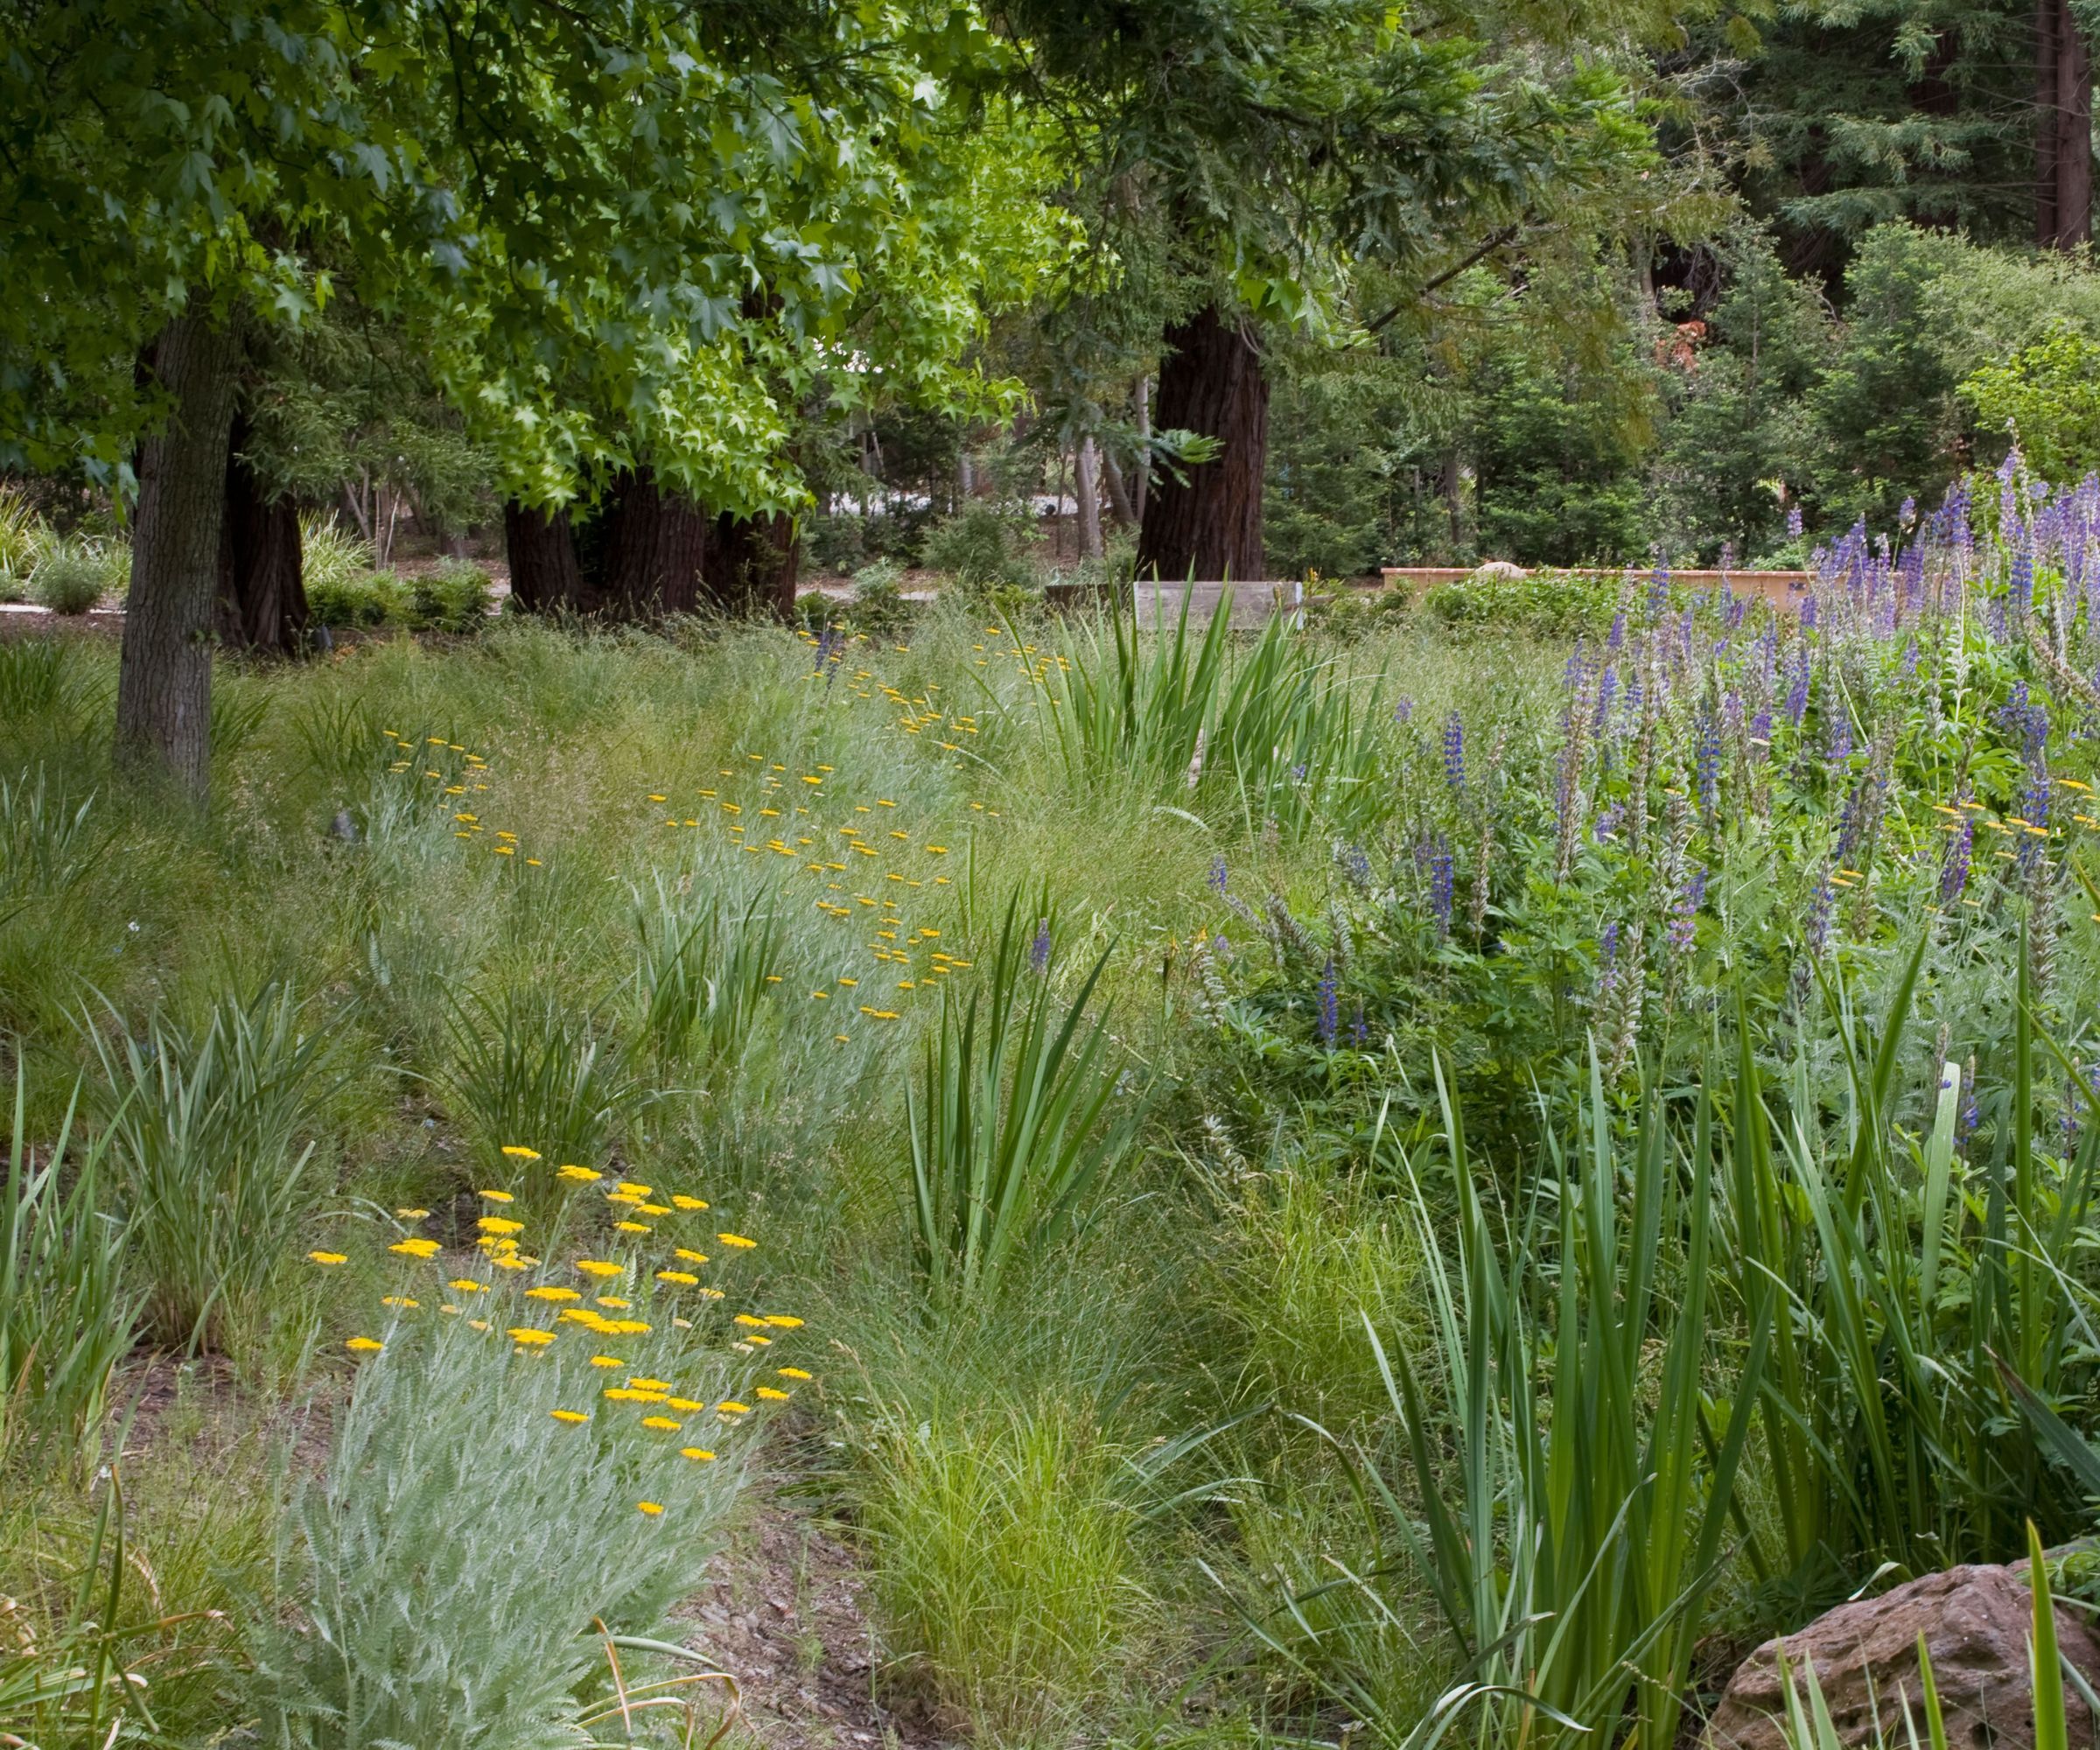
pixel 654 544
pixel 164 690
pixel 2063 97
pixel 545 577
pixel 1210 525
pixel 262 576
pixel 751 565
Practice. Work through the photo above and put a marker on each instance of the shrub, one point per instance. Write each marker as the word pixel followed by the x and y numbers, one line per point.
pixel 1005 1569
pixel 455 597
pixel 205 1128
pixel 2048 393
pixel 983 545
pixel 72 576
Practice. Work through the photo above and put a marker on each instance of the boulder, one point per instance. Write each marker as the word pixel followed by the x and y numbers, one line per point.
pixel 1975 1622
pixel 1497 571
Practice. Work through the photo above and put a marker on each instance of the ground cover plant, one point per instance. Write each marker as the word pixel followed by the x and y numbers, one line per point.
pixel 1437 1178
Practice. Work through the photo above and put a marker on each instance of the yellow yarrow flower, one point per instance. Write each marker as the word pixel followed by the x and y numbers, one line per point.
pixel 529 1334
pixel 365 1346
pixel 569 1415
pixel 328 1257
pixel 516 1152
pixel 663 1423
pixel 737 1240
pixel 415 1249
pixel 698 1453
pixel 600 1267
pixel 651 1508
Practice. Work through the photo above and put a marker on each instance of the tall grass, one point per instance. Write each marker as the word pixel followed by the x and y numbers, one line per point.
pixel 702 971
pixel 1007 1575
pixel 1884 1415
pixel 68 1313
pixel 531 1074
pixel 1573 1528
pixel 1009 1120
pixel 1270 733
pixel 210 1132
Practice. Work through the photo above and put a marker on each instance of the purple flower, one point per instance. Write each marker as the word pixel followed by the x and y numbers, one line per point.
pixel 1798 690
pixel 1039 949
pixel 1684 912
pixel 1218 876
pixel 1616 641
pixel 1793 523
pixel 1839 745
pixel 1820 905
pixel 1709 764
pixel 1658 589
pixel 1808 613
pixel 1454 751
pixel 2021 584
pixel 1608 960
pixel 1330 1011
pixel 1403 711
pixel 1360 1032
pixel 1439 887
pixel 1608 689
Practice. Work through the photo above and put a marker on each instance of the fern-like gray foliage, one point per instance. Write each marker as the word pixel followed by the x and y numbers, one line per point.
pixel 451 1564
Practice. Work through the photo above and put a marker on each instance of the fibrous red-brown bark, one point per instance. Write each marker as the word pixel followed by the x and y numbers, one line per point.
pixel 655 545
pixel 751 565
pixel 545 577
pixel 163 690
pixel 1210 382
pixel 261 575
pixel 2063 97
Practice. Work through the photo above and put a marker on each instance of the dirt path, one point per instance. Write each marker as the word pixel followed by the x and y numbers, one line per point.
pixel 784 1618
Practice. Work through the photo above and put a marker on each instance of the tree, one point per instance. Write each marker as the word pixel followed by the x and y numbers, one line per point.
pixel 1274 144
pixel 548 196
pixel 1968 113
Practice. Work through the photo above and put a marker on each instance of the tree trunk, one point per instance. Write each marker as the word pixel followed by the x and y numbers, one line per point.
pixel 1211 383
pixel 544 575
pixel 655 546
pixel 1119 491
pixel 1144 433
pixel 163 689
pixel 2063 98
pixel 1086 470
pixel 751 565
pixel 261 575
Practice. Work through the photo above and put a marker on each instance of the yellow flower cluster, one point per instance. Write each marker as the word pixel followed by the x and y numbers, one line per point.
pixel 812 816
pixel 606 1316
pixel 458 773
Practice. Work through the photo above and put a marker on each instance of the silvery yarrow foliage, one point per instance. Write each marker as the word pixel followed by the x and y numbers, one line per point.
pixel 449 1565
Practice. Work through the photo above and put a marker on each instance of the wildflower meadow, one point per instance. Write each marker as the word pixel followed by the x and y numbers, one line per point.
pixel 1411 1171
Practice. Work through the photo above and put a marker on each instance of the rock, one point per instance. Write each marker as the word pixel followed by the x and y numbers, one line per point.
pixel 1497 571
pixel 1974 1621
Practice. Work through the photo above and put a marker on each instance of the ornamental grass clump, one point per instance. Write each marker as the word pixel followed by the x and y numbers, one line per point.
pixel 1269 734
pixel 211 1133
pixel 529 1065
pixel 1569 1502
pixel 1010 1119
pixel 68 1311
pixel 537 1460
pixel 701 971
